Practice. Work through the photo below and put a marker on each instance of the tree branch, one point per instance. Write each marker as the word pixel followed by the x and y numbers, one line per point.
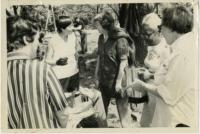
pixel 117 14
pixel 15 10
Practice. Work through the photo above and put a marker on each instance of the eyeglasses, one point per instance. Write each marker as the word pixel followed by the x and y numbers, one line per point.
pixel 146 34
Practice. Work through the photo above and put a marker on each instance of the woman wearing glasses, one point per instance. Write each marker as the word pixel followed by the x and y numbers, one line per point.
pixel 177 88
pixel 158 52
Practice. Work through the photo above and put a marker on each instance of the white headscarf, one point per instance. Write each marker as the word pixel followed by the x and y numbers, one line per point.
pixel 152 20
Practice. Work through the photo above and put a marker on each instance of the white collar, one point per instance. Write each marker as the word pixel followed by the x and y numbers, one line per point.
pixel 176 45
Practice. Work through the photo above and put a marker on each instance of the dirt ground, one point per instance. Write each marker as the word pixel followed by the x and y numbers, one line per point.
pixel 87 80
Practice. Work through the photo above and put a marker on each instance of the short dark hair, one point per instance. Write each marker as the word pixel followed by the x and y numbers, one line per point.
pixel 62 22
pixel 17 28
pixel 178 19
pixel 106 20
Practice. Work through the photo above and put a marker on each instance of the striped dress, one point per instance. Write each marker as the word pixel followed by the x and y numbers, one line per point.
pixel 34 93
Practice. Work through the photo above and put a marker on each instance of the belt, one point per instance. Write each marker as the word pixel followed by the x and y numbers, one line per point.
pixel 138 100
pixel 182 125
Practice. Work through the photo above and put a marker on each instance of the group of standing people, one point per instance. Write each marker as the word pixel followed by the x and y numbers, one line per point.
pixel 172 91
pixel 168 80
pixel 37 89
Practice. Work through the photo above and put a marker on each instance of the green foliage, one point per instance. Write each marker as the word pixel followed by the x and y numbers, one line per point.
pixel 39 13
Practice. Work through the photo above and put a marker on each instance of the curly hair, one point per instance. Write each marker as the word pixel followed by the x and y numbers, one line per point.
pixel 178 19
pixel 17 28
pixel 106 20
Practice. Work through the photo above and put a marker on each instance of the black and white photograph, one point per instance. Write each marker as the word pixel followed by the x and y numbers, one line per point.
pixel 112 65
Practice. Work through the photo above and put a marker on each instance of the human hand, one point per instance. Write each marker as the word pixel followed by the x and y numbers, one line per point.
pixel 147 75
pixel 138 85
pixel 119 90
pixel 62 61
pixel 144 74
pixel 118 86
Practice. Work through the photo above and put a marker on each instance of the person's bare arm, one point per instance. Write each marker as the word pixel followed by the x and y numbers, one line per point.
pixel 96 72
pixel 122 66
pixel 122 54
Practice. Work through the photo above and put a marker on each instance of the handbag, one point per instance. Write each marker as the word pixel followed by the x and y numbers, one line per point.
pixel 130 75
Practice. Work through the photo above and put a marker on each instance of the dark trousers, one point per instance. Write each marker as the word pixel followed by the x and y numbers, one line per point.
pixel 83 35
pixel 70 84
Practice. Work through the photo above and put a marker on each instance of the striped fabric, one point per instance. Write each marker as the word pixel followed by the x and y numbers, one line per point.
pixel 34 93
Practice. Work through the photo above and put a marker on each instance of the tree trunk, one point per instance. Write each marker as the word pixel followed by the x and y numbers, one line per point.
pixel 130 18
pixel 15 10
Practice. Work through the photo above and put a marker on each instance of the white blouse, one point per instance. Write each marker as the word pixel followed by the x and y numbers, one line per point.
pixel 58 48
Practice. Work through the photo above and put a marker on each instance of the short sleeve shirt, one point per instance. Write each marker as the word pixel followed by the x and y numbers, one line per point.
pixel 111 53
pixel 63 49
pixel 34 93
